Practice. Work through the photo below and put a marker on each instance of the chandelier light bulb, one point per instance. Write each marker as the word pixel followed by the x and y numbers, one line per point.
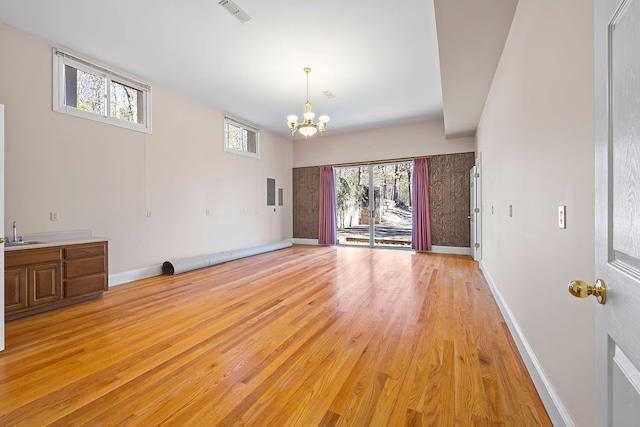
pixel 308 130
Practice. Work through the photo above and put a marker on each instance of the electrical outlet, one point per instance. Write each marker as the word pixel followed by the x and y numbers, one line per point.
pixel 206 212
pixel 148 214
pixel 562 216
pixel 53 216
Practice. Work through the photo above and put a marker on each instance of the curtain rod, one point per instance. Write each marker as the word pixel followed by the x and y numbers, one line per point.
pixel 374 162
pixel 399 160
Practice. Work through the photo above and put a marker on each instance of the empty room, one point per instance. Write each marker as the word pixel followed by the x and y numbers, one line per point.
pixel 303 213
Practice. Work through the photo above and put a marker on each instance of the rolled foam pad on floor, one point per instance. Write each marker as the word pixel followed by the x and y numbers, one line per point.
pixel 193 263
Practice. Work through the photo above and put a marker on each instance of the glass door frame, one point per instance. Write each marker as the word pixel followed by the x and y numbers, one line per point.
pixel 372 206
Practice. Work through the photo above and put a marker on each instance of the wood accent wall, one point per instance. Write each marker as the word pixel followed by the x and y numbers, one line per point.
pixel 448 193
pixel 449 199
pixel 306 184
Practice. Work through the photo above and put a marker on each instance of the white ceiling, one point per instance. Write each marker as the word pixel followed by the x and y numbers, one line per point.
pixel 380 59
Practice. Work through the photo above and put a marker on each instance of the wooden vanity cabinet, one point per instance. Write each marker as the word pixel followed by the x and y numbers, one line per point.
pixel 43 279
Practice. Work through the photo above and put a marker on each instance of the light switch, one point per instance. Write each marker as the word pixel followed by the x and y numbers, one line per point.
pixel 510 211
pixel 562 216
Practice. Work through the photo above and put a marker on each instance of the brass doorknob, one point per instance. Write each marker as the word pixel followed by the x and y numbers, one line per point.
pixel 1 240
pixel 581 289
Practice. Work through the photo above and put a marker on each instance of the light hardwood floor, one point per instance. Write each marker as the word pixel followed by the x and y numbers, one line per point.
pixel 303 336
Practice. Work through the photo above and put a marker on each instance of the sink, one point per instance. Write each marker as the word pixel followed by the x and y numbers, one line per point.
pixel 32 242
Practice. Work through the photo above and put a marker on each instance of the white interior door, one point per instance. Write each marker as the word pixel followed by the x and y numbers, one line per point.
pixel 474 213
pixel 477 249
pixel 2 226
pixel 617 95
pixel 472 210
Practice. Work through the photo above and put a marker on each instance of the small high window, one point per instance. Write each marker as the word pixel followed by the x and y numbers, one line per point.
pixel 87 90
pixel 241 138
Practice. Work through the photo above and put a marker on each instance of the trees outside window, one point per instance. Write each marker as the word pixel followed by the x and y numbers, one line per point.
pixel 87 90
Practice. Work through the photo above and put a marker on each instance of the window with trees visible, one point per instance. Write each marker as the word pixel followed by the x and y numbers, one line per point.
pixel 241 138
pixel 87 90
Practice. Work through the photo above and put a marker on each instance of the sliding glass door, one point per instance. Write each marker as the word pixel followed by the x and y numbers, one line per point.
pixel 373 204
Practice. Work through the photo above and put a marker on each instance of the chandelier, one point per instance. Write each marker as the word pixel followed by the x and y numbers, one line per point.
pixel 307 127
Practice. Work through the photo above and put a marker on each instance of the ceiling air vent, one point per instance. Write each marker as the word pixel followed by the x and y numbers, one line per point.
pixel 233 9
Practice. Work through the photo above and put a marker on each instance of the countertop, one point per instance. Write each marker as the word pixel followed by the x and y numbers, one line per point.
pixel 52 243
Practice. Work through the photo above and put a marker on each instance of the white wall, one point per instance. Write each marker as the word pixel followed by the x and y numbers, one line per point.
pixel 105 178
pixel 536 140
pixel 391 142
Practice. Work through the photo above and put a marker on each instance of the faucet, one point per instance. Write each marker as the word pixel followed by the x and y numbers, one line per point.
pixel 16 238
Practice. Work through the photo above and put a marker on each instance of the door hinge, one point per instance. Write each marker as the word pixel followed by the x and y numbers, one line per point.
pixel 477 210
pixel 477 245
pixel 477 175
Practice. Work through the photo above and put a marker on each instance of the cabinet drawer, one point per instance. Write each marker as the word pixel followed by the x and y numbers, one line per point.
pixel 85 286
pixel 32 256
pixel 85 251
pixel 85 267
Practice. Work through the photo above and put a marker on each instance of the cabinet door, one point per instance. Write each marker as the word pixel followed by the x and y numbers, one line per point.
pixel 45 284
pixel 15 289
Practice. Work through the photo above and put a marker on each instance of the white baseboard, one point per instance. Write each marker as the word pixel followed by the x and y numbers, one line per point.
pixel 451 250
pixel 132 275
pixel 552 403
pixel 296 241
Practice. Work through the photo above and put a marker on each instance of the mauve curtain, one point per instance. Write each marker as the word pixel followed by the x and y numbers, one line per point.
pixel 327 215
pixel 421 219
